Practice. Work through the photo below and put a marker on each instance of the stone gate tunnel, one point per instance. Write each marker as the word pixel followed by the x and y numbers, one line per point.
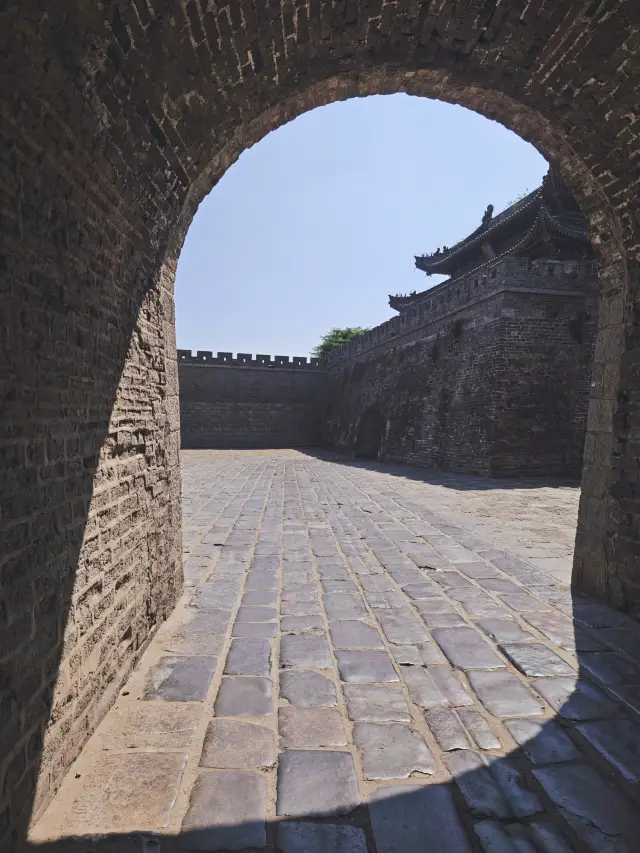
pixel 117 119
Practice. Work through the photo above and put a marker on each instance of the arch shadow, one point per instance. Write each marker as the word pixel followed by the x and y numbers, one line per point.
pixel 569 785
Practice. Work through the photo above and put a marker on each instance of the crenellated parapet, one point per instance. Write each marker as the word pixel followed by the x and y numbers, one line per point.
pixel 542 277
pixel 245 359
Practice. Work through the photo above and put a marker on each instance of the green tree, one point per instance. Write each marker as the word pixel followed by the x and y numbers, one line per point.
pixel 336 338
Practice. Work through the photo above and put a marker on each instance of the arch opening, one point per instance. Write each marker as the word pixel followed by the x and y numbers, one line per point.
pixel 106 166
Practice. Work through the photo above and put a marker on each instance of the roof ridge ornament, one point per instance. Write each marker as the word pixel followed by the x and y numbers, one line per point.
pixel 488 215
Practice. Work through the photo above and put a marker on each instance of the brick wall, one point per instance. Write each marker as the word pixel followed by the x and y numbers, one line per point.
pixel 487 375
pixel 118 120
pixel 246 402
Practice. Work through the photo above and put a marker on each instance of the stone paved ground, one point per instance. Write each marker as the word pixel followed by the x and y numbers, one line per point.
pixel 368 658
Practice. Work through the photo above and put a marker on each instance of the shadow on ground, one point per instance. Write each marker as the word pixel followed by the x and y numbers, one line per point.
pixel 448 479
pixel 568 785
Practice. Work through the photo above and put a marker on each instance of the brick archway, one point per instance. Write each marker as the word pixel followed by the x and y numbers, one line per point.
pixel 116 123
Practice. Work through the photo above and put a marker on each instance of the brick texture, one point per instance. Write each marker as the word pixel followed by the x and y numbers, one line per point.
pixel 247 402
pixel 116 121
pixel 489 376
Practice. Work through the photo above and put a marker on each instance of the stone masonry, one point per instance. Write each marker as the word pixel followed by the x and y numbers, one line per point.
pixel 490 375
pixel 367 655
pixel 247 402
pixel 116 121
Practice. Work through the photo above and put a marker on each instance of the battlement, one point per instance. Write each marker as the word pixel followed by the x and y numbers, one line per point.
pixel 448 298
pixel 245 359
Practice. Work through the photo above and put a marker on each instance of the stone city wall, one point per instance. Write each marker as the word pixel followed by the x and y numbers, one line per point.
pixel 230 402
pixel 487 375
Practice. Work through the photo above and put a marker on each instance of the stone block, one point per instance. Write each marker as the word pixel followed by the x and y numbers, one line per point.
pixel 180 679
pixel 308 727
pixel 232 744
pixel 316 783
pixel 227 811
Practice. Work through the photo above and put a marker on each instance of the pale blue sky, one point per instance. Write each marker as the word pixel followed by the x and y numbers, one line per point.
pixel 318 223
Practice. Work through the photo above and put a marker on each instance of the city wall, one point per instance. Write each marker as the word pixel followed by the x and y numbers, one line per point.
pixel 489 375
pixel 228 402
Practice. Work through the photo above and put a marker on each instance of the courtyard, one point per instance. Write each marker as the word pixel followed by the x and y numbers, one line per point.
pixel 367 657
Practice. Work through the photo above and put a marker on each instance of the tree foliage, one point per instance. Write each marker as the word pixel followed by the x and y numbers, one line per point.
pixel 336 338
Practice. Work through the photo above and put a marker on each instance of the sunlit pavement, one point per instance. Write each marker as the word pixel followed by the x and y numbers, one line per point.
pixel 358 650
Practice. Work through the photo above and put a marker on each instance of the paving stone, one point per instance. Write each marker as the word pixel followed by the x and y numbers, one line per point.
pixel 333 572
pixel 497 584
pixel 504 695
pixel 452 580
pixel 491 787
pixel 125 793
pixel 549 839
pixel 447 729
pixel 625 640
pixel 376 703
pixel 534 659
pixel 416 819
pixel 265 564
pixel 391 751
pixel 257 581
pixel 433 606
pixel 479 729
pixel 301 592
pixel 466 649
pixel 248 657
pixel 305 651
pixel 574 699
pixel 265 630
pixel 377 583
pixel 342 586
pixel 477 570
pixel 401 627
pixel 256 614
pixel 320 838
pixel 301 608
pixel 365 666
pixel 422 591
pixel 340 606
pixel 562 632
pixel 180 679
pixel 434 686
pixel 523 603
pixel 171 726
pixel 316 783
pixel 629 695
pixel 300 624
pixel 254 598
pixel 307 689
pixel 354 635
pixel 619 742
pixel 544 741
pixel 599 616
pixel 246 696
pixel 194 644
pixel 213 597
pixel 500 838
pixel 303 727
pixel 599 816
pixel 443 620
pixel 504 630
pixel 480 606
pixel 232 744
pixel 205 622
pixel 480 790
pixel 227 811
pixel 610 668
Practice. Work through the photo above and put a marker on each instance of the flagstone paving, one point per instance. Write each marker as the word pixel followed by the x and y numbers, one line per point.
pixel 368 658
